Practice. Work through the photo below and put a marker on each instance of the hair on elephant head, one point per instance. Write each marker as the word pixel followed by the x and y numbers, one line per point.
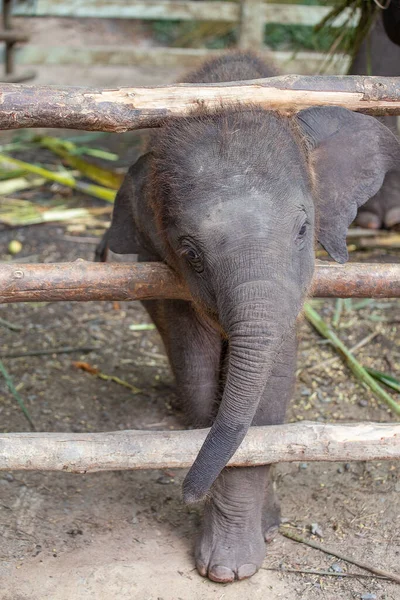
pixel 233 200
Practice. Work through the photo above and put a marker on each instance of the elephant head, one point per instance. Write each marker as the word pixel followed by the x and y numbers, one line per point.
pixel 234 201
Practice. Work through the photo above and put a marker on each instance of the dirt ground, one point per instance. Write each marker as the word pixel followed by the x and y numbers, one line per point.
pixel 128 535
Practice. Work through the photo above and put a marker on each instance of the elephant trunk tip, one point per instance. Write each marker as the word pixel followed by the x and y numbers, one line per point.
pixel 193 490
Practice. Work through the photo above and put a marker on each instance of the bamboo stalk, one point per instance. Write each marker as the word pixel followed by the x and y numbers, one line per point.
pixel 353 364
pixel 63 178
pixel 135 108
pixel 125 450
pixel 65 149
pixel 84 281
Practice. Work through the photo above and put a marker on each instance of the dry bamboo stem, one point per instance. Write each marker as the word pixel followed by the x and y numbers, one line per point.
pixel 122 450
pixel 84 281
pixel 134 108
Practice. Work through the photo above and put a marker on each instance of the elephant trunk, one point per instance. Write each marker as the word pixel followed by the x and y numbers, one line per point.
pixel 256 324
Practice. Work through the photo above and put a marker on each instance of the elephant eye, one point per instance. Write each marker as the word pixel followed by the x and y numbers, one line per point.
pixel 192 255
pixel 302 230
pixel 301 234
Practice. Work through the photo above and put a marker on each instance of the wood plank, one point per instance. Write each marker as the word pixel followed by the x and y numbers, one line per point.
pixel 127 450
pixel 295 14
pixel 85 281
pixel 121 9
pixel 288 62
pixel 299 14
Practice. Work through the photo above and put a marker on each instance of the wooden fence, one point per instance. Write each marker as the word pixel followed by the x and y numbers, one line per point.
pixel 30 106
pixel 250 16
pixel 10 37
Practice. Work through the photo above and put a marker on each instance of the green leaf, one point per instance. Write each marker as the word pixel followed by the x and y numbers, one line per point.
pixel 142 327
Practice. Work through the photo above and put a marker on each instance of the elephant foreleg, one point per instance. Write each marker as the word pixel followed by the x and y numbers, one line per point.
pixel 242 511
pixel 194 350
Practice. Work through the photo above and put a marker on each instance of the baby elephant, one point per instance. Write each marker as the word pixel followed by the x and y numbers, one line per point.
pixel 233 200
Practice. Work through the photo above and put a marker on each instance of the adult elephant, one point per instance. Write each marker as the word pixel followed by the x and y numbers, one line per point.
pixel 380 55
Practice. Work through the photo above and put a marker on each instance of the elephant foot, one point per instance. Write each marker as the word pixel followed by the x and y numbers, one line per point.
pixel 242 514
pixel 271 522
pixel 368 220
pixel 392 218
pixel 371 220
pixel 383 210
pixel 231 546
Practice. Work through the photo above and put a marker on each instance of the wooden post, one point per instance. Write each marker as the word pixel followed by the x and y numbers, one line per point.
pixel 252 25
pixel 9 49
pixel 11 37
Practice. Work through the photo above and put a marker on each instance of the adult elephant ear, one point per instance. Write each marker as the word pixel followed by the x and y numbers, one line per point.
pixel 349 155
pixel 131 230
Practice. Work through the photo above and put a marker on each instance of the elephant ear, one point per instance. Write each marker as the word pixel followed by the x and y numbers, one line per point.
pixel 349 155
pixel 129 232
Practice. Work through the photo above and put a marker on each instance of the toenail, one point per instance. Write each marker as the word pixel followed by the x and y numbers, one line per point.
pixel 221 574
pixel 392 218
pixel 368 220
pixel 246 571
pixel 202 569
pixel 270 533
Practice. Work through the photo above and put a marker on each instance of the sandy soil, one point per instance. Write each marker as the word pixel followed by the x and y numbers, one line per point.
pixel 128 535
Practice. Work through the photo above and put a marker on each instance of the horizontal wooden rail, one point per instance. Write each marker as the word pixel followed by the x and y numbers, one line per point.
pixel 133 108
pixel 13 35
pixel 183 10
pixel 181 58
pixel 122 450
pixel 84 281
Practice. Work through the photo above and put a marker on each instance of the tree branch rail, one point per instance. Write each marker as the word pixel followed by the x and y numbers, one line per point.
pixel 123 450
pixel 84 281
pixel 125 109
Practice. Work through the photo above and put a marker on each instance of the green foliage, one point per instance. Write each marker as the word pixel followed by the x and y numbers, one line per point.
pixel 349 39
pixel 218 36
pixel 185 34
pixel 294 37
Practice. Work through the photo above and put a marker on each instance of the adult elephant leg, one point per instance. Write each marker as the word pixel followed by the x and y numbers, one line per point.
pixel 242 511
pixel 391 217
pixel 378 55
pixel 383 209
pixel 194 349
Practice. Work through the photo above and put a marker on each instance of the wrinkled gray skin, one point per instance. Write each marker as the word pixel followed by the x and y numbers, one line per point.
pixel 230 201
pixel 380 55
